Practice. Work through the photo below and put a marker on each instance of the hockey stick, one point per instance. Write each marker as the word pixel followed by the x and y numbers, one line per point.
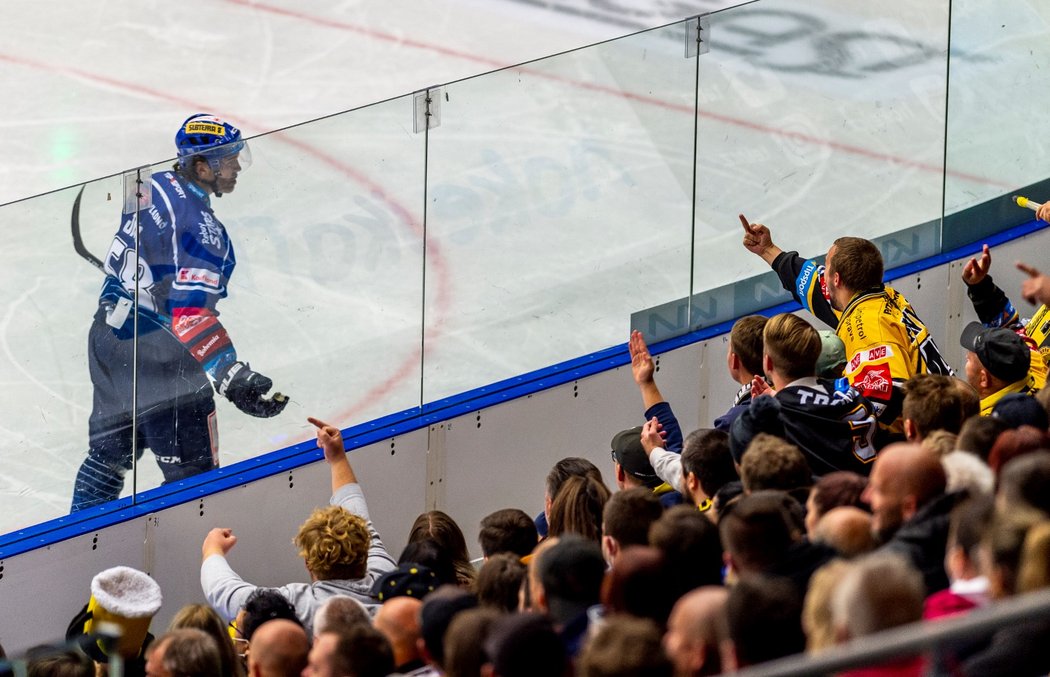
pixel 78 242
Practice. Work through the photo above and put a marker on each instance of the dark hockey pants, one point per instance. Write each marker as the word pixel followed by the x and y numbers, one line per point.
pixel 176 412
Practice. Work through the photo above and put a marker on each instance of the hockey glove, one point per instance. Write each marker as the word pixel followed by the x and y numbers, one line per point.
pixel 247 390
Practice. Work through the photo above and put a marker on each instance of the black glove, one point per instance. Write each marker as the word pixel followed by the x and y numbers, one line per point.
pixel 247 390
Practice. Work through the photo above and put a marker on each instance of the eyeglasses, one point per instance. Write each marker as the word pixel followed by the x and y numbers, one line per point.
pixel 240 644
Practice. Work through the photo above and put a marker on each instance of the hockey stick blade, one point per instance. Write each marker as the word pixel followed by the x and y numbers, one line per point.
pixel 78 242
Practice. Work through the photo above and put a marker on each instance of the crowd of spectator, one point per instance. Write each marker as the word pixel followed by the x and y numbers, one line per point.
pixel 855 484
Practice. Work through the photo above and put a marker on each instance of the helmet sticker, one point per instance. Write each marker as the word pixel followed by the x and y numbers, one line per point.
pixel 197 127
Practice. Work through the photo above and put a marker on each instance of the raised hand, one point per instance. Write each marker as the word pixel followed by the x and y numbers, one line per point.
pixel 642 366
pixel 976 269
pixel 759 387
pixel 757 240
pixel 652 435
pixel 1037 287
pixel 219 541
pixel 330 439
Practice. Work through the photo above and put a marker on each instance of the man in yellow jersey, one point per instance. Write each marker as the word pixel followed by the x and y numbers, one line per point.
pixel 994 309
pixel 998 363
pixel 886 342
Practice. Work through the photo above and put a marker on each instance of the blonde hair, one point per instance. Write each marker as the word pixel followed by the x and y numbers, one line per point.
pixel 940 442
pixel 334 542
pixel 1034 571
pixel 816 609
pixel 203 617
pixel 793 345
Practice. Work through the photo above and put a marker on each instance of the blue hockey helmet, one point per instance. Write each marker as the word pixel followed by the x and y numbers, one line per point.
pixel 211 138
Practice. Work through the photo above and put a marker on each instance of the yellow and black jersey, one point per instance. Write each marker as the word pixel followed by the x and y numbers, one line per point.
pixel 886 342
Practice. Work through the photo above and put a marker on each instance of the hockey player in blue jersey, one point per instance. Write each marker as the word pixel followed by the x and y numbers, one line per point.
pixel 181 263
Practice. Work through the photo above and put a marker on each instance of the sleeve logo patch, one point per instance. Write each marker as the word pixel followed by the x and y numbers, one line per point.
pixel 197 276
pixel 870 355
pixel 875 379
pixel 175 185
pixel 185 323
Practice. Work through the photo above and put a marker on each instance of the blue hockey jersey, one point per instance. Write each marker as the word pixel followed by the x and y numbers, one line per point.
pixel 182 264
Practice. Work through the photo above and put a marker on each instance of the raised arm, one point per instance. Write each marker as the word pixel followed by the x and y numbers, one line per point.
pixel 330 439
pixel 993 307
pixel 642 368
pixel 346 492
pixel 224 589
pixel 757 240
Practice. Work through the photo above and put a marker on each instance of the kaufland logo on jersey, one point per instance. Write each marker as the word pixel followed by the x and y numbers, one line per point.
pixel 197 276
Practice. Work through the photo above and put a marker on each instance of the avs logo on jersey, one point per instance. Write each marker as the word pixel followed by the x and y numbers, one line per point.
pixel 874 380
pixel 197 276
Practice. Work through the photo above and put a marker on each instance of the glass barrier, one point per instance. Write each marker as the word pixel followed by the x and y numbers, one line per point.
pixel 820 121
pixel 1000 74
pixel 327 225
pixel 311 258
pixel 51 295
pixel 558 202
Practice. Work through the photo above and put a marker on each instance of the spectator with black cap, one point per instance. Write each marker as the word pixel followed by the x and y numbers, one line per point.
pixel 407 580
pixel 632 467
pixel 998 363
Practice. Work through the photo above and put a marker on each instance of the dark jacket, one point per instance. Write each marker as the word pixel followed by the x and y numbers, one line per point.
pixel 1017 651
pixel 922 540
pixel 833 425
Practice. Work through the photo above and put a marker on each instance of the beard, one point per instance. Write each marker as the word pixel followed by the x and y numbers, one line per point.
pixel 889 522
pixel 226 185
